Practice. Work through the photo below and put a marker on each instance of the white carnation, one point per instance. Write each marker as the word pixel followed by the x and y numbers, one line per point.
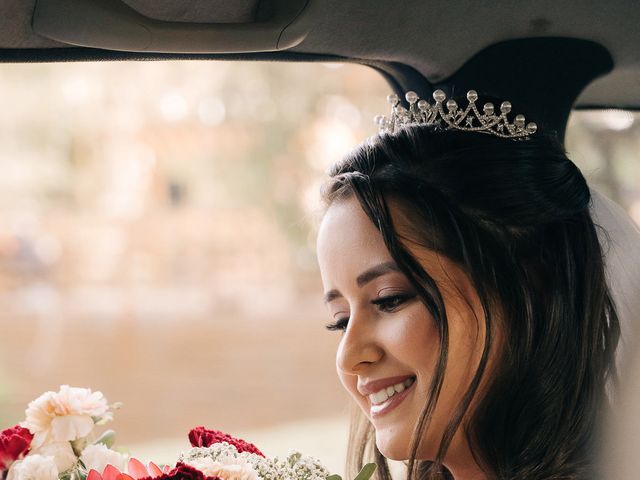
pixel 34 467
pixel 64 416
pixel 227 471
pixel 97 457
pixel 62 454
pixel 226 454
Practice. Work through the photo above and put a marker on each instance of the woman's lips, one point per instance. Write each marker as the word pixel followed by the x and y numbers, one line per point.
pixel 374 386
pixel 391 403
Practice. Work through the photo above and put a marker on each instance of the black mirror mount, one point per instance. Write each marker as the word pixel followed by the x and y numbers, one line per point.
pixel 542 77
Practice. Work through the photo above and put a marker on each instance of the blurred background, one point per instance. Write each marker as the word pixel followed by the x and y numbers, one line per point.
pixel 157 241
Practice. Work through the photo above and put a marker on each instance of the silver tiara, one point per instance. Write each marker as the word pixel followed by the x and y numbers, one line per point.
pixel 468 119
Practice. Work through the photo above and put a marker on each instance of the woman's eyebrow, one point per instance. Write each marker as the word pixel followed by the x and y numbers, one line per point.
pixel 375 272
pixel 331 295
pixel 365 277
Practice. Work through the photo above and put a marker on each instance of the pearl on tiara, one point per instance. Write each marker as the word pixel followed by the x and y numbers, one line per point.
pixel 454 117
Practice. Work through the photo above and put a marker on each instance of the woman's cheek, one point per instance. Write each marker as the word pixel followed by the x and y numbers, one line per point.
pixel 415 340
pixel 350 384
pixel 412 330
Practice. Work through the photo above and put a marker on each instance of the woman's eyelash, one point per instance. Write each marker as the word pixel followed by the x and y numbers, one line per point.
pixel 391 302
pixel 386 304
pixel 341 324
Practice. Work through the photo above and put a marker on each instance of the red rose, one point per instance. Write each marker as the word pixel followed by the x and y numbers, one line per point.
pixel 183 472
pixel 201 437
pixel 14 443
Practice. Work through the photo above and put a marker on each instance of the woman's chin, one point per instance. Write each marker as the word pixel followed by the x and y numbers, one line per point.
pixel 397 446
pixel 392 447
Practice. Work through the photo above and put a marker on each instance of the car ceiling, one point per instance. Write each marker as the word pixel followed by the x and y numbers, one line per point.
pixel 433 38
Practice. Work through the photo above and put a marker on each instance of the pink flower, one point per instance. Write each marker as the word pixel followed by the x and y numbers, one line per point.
pixel 135 468
pixel 14 443
pixel 137 471
pixel 66 415
pixel 201 437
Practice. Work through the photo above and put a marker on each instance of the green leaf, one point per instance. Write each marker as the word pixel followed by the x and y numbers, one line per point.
pixel 79 475
pixel 334 477
pixel 78 445
pixel 366 472
pixel 108 438
pixel 74 473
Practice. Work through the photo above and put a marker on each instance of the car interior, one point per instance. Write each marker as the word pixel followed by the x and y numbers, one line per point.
pixel 548 58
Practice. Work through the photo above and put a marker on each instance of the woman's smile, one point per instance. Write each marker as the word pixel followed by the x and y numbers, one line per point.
pixel 387 399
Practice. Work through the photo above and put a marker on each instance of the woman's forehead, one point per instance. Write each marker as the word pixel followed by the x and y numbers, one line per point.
pixel 346 223
pixel 349 243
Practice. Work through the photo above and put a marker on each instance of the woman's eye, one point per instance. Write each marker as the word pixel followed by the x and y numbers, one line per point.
pixel 389 303
pixel 340 324
pixel 392 302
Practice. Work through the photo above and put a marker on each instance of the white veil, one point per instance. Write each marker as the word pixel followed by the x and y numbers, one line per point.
pixel 620 239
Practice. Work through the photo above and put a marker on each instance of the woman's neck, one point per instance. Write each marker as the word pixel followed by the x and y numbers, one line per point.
pixel 467 472
pixel 461 462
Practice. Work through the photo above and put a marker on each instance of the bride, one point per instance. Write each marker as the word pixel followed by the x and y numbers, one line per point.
pixel 464 272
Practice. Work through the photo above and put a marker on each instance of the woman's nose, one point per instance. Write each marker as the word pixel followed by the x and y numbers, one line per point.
pixel 359 346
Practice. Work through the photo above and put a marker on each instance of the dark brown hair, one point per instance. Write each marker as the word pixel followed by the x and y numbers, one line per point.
pixel 514 215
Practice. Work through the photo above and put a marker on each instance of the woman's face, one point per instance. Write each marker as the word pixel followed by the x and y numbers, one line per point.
pixel 389 345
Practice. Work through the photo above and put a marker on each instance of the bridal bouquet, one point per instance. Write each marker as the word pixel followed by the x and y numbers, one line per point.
pixel 58 441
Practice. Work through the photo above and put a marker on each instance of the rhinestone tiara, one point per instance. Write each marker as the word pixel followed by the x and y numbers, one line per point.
pixel 468 119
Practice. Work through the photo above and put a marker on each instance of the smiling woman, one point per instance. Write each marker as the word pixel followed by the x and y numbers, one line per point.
pixel 469 267
pixel 387 319
pixel 155 243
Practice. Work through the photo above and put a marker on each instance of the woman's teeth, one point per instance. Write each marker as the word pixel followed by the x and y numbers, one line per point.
pixel 384 394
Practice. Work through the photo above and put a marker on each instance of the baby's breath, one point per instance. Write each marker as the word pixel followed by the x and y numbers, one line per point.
pixel 295 466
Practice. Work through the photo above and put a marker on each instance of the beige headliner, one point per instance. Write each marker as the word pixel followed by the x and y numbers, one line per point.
pixel 435 37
